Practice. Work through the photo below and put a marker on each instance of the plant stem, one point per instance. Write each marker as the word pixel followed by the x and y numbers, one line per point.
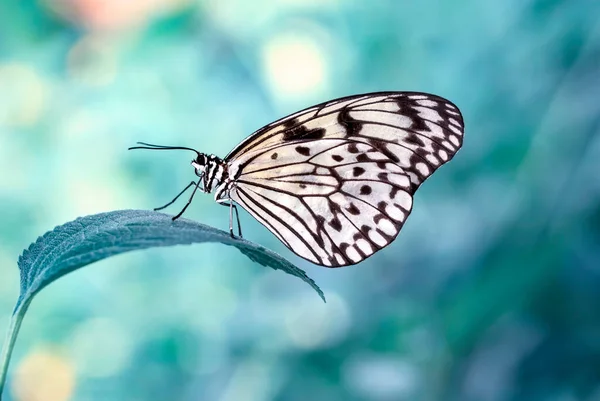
pixel 9 344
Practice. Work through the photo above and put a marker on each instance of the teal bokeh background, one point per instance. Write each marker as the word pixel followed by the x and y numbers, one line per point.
pixel 491 292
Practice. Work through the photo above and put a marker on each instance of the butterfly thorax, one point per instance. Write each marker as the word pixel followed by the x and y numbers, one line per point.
pixel 211 169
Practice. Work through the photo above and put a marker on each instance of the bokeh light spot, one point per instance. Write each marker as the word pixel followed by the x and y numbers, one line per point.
pixel 294 65
pixel 113 15
pixel 28 95
pixel 44 375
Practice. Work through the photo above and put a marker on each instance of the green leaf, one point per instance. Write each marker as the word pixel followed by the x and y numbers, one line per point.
pixel 93 238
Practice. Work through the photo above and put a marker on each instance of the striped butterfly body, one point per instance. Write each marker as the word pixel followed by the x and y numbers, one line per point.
pixel 335 182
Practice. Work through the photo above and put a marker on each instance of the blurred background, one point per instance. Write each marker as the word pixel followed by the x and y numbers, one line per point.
pixel 491 292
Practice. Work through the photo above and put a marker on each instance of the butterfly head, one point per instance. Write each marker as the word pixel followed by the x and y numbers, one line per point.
pixel 199 164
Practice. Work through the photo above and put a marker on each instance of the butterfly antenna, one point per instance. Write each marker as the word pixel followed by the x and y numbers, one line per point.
pixel 150 146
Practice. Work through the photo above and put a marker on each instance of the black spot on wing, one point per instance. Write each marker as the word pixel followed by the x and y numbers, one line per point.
pixel 336 224
pixel 414 139
pixel 300 132
pixel 365 190
pixel 335 209
pixel 337 158
pixel 362 158
pixel 290 123
pixel 320 221
pixel 303 150
pixel 274 156
pixel 358 171
pixel 352 209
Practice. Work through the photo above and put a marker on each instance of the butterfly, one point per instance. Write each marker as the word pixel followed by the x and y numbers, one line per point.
pixel 334 182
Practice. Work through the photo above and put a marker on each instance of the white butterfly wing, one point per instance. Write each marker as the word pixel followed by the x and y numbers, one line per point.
pixel 318 199
pixel 334 182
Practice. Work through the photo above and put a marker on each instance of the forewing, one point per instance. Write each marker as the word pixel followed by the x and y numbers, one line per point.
pixel 417 131
pixel 332 201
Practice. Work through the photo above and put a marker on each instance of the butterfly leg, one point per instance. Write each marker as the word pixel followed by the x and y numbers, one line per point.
pixel 176 197
pixel 188 202
pixel 232 207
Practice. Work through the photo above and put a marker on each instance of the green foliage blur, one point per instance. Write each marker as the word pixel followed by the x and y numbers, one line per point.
pixel 491 292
